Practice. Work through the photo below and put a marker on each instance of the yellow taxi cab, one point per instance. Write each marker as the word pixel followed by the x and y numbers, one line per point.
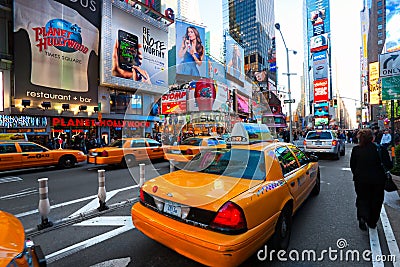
pixel 24 154
pixel 192 146
pixel 229 202
pixel 127 152
pixel 15 250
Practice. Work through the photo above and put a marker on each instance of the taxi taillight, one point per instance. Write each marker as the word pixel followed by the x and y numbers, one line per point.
pixel 304 142
pixel 141 195
pixel 103 154
pixel 230 217
pixel 334 142
pixel 189 151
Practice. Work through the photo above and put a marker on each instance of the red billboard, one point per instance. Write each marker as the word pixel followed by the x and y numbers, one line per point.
pixel 321 90
pixel 174 102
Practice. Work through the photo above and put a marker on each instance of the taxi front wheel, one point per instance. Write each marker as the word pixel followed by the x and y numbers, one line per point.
pixel 67 161
pixel 281 237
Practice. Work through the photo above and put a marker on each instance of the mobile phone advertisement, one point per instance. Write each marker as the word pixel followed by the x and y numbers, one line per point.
pixel 134 49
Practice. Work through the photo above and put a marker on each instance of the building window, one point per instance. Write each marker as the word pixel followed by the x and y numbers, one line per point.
pixel 379 3
pixel 136 104
pixel 379 19
pixel 379 11
pixel 380 42
pixel 380 34
pixel 380 27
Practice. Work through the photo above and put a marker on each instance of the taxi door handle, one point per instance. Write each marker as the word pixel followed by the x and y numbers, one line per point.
pixel 293 183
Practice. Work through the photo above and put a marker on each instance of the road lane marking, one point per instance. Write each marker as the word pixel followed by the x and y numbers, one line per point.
pixel 10 179
pixel 346 169
pixel 375 247
pixel 390 238
pixel 123 262
pixel 93 204
pixel 23 214
pixel 24 193
pixel 124 221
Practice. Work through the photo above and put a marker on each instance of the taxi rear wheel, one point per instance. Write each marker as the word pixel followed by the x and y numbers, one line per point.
pixel 281 237
pixel 129 161
pixel 67 161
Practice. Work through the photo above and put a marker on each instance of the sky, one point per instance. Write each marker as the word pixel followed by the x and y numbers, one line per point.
pixel 345 41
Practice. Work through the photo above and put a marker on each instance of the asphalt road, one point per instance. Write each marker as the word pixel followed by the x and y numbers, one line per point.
pixel 82 236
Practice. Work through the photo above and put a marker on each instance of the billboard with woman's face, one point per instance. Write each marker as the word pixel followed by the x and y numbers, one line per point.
pixel 190 49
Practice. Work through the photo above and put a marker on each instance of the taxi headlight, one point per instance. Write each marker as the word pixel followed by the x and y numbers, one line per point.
pixel 81 153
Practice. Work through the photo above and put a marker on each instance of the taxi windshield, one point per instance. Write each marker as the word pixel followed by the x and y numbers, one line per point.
pixel 238 163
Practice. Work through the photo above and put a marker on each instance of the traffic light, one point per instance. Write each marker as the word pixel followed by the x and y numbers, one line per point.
pixel 335 103
pixel 380 103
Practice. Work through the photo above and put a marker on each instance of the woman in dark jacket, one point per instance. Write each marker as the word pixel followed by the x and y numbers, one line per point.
pixel 369 178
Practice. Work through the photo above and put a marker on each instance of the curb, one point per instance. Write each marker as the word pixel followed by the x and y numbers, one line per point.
pixel 396 180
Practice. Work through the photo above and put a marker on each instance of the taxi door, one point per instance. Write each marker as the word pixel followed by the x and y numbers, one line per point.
pixel 138 148
pixel 306 171
pixel 34 155
pixel 10 158
pixel 292 174
pixel 154 149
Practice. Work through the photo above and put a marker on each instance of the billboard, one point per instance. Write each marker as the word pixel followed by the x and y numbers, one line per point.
pixel 134 50
pixel 374 87
pixel 321 90
pixel 201 95
pixel 317 20
pixel 234 57
pixel 321 121
pixel 190 49
pixel 56 47
pixel 319 43
pixel 392 40
pixel 215 70
pixel 321 109
pixel 1 92
pixel 174 102
pixel 242 104
pixel 320 65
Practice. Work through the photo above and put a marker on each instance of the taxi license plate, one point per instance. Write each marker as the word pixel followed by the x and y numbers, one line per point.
pixel 172 209
pixel 94 154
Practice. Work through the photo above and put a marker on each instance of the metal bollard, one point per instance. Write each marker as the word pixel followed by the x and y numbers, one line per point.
pixel 141 174
pixel 44 204
pixel 171 165
pixel 102 190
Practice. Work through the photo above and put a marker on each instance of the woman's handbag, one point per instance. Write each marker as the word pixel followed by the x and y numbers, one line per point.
pixel 390 186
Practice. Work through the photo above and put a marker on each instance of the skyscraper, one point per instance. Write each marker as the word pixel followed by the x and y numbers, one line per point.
pixel 251 24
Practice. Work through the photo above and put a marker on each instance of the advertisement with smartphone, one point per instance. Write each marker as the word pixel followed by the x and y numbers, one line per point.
pixel 134 51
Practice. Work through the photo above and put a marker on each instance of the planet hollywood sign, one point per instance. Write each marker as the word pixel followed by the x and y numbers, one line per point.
pixel 103 123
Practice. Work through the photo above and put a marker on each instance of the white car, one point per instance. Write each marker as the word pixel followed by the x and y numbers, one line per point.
pixel 324 142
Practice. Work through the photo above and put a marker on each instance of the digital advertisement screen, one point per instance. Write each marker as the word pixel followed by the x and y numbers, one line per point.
pixel 319 42
pixel 216 70
pixel 190 49
pixel 242 103
pixel 321 121
pixel 56 48
pixel 392 40
pixel 321 109
pixel 134 51
pixel 207 94
pixel 234 58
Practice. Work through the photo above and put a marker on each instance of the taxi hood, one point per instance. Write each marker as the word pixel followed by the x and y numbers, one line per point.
pixel 194 189
pixel 12 237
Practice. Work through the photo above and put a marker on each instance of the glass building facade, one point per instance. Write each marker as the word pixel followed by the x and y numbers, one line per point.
pixel 251 24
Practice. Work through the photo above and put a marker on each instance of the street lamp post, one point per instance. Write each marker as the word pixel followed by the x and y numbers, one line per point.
pixel 278 27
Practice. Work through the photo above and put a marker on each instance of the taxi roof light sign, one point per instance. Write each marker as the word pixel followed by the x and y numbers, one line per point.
pixel 249 133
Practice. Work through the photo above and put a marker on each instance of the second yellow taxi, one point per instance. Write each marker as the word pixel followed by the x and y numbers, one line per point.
pixel 127 152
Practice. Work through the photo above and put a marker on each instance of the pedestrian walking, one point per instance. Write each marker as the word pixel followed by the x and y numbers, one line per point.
pixel 386 139
pixel 369 178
